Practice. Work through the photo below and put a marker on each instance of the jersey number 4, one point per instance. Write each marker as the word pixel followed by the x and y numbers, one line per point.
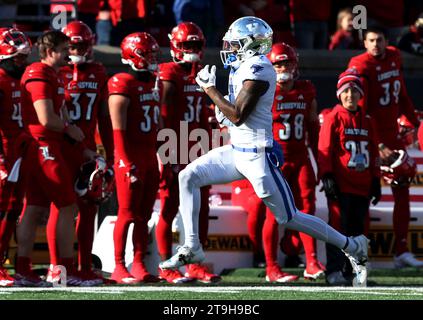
pixel 17 114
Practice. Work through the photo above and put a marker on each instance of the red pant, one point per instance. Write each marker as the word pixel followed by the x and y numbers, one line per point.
pixel 136 202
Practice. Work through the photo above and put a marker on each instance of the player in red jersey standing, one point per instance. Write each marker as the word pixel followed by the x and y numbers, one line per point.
pixel 45 170
pixel 182 105
pixel 134 105
pixel 385 99
pixel 14 50
pixel 295 127
pixel 85 84
pixel 349 170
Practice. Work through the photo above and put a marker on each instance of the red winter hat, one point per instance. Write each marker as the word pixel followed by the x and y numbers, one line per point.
pixel 348 79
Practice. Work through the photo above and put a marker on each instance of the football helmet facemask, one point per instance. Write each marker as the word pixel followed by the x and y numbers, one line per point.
pixel 13 42
pixel 80 36
pixel 399 171
pixel 283 53
pixel 141 51
pixel 95 182
pixel 187 42
pixel 406 131
pixel 246 37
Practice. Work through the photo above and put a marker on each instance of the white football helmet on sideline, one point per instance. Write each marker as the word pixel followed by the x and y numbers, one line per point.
pixel 246 37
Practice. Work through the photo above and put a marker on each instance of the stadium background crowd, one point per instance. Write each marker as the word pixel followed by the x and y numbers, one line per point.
pixel 300 23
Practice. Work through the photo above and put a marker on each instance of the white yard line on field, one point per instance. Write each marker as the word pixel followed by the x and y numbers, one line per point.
pixel 415 291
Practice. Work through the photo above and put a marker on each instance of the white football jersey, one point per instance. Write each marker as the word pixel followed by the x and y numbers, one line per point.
pixel 256 131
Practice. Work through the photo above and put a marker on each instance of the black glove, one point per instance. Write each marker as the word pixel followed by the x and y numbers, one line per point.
pixel 330 187
pixel 375 191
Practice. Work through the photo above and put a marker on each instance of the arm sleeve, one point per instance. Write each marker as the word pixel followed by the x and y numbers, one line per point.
pixel 117 85
pixel 373 150
pixel 326 137
pixel 106 134
pixel 121 147
pixel 39 90
pixel 407 106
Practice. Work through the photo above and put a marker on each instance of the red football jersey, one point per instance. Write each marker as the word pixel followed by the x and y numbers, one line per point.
pixel 385 95
pixel 190 103
pixel 83 100
pixel 291 112
pixel 188 107
pixel 39 73
pixel 348 149
pixel 11 123
pixel 143 111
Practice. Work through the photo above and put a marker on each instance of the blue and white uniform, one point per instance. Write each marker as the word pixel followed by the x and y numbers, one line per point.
pixel 252 155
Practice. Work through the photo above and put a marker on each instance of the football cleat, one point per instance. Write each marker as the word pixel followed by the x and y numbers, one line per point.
pixel 201 273
pixel 90 279
pixel 358 260
pixel 314 270
pixel 122 276
pixel 140 273
pixel 184 255
pixel 173 276
pixel 275 274
pixel 30 279
pixel 54 277
pixel 5 279
pixel 407 259
pixel 337 279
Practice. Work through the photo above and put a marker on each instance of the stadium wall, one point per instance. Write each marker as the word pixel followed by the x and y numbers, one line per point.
pixel 320 66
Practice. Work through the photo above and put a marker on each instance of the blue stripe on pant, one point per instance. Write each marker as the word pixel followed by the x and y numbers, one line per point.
pixel 288 201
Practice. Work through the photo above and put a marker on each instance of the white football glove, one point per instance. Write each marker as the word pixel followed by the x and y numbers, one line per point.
pixel 221 118
pixel 206 78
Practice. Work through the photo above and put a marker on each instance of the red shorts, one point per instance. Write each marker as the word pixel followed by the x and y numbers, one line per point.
pixel 47 176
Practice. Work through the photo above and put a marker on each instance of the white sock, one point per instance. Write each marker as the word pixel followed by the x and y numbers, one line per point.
pixel 317 228
pixel 189 206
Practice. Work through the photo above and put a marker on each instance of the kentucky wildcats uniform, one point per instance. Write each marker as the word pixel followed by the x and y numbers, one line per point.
pixel 245 157
pixel 248 134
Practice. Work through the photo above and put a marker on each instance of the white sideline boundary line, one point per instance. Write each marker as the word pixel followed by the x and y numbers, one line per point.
pixel 412 291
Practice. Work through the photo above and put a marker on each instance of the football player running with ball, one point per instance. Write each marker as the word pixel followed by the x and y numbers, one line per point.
pixel 247 112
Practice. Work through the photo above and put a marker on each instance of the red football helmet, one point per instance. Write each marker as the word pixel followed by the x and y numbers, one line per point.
pixel 80 35
pixel 141 51
pixel 95 182
pixel 400 171
pixel 187 42
pixel 282 52
pixel 13 42
pixel 406 131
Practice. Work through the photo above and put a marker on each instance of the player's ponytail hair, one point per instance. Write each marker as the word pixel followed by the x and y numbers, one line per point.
pixel 50 40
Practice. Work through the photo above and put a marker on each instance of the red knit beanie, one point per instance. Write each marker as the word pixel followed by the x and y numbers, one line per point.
pixel 349 79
